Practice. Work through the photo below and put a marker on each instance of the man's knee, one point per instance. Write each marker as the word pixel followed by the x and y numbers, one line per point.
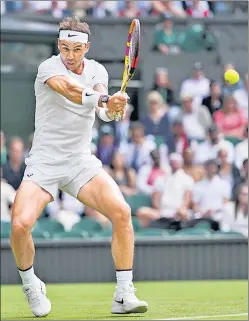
pixel 21 224
pixel 122 215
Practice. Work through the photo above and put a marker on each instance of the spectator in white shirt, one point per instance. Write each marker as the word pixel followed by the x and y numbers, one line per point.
pixel 137 152
pixel 195 122
pixel 241 96
pixel 171 197
pixel 235 218
pixel 210 195
pixel 197 85
pixel 209 149
pixel 241 150
pixel 148 174
pixel 7 199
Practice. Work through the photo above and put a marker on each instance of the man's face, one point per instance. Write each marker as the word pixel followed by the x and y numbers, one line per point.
pixel 72 53
pixel 188 105
pixel 197 73
pixel 175 165
pixel 137 135
pixel 107 140
pixel 214 136
pixel 211 170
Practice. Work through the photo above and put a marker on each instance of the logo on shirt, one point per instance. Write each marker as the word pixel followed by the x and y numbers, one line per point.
pixel 87 94
pixel 70 35
pixel 29 175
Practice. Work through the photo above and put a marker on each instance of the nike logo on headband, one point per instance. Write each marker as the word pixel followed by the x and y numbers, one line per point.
pixel 69 35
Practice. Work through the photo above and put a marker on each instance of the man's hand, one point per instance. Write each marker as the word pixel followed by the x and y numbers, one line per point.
pixel 117 102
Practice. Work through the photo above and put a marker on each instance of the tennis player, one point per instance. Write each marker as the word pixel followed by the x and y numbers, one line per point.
pixel 69 90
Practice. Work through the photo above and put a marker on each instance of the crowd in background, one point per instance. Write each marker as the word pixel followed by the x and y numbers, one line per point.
pixel 188 156
pixel 127 8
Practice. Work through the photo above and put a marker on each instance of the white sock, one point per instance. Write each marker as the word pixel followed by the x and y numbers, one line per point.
pixel 29 277
pixel 124 278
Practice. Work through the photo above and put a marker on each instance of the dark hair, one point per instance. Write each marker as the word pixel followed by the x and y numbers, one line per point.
pixel 239 189
pixel 74 24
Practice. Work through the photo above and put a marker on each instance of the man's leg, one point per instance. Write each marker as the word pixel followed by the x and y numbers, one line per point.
pixel 103 194
pixel 29 203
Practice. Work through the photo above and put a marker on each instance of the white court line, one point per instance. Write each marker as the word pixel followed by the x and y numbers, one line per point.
pixel 209 316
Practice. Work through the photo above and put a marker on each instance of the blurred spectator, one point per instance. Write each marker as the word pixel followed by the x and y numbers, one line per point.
pixel 55 7
pixel 235 217
pixel 10 7
pixel 98 10
pixel 3 150
pixel 106 146
pixel 122 128
pixel 215 100
pixel 14 169
pixel 198 85
pixel 125 177
pixel 240 7
pixel 241 96
pixel 148 174
pixel 221 7
pixel 130 10
pixel 210 195
pixel 209 149
pixel 171 197
pixel 195 171
pixel 241 150
pixel 178 141
pixel 195 121
pixel 163 86
pixel 226 87
pixel 7 199
pixel 198 9
pixel 157 121
pixel 168 7
pixel 226 171
pixel 166 39
pixel 137 152
pixel 143 6
pixel 241 179
pixel 231 120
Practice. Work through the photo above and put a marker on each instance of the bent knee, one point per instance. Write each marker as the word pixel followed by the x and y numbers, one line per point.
pixel 122 214
pixel 21 225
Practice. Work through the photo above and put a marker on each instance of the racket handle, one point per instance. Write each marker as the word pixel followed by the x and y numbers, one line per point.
pixel 118 115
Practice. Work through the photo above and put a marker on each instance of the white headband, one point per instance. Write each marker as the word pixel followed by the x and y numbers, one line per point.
pixel 75 36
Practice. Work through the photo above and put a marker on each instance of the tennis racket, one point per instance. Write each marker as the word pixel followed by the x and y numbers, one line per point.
pixel 131 58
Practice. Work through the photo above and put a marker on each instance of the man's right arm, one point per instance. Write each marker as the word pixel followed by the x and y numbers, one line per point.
pixel 67 87
pixel 74 92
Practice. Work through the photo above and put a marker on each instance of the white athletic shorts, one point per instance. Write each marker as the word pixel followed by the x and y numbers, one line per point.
pixel 69 177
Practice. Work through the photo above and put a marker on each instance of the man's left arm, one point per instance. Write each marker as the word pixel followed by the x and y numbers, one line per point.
pixel 100 111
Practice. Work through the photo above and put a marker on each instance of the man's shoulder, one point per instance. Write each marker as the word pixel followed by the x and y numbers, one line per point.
pixel 51 61
pixel 94 64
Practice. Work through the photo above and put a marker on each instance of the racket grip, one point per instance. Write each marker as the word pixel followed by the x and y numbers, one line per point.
pixel 117 116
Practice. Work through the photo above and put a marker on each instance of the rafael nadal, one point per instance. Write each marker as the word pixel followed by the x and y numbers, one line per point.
pixel 69 90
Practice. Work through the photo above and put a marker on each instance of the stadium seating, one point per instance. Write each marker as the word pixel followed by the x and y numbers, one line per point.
pixel 5 230
pixel 194 231
pixel 137 201
pixel 150 232
pixel 50 226
pixel 88 225
pixel 233 140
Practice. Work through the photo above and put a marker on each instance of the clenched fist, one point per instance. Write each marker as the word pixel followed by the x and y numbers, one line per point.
pixel 117 102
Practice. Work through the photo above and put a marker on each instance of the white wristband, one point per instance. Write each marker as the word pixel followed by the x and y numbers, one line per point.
pixel 102 114
pixel 90 98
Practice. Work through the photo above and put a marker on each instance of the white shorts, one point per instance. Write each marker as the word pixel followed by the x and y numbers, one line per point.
pixel 68 177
